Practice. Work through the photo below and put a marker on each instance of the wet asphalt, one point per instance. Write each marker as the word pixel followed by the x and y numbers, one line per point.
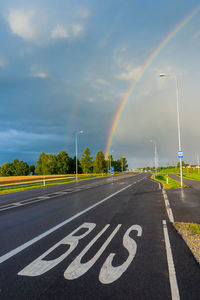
pixel 131 204
pixel 185 202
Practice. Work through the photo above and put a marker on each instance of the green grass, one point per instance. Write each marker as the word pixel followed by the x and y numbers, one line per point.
pixel 166 171
pixel 172 184
pixel 40 185
pixel 192 176
pixel 192 228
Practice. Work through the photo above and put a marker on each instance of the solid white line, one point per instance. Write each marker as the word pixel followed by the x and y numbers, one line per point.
pixel 44 234
pixel 171 268
pixel 168 207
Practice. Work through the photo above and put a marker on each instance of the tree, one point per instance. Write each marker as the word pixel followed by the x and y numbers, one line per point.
pixel 63 163
pixel 86 161
pixel 32 169
pixel 20 168
pixel 178 164
pixel 42 164
pixel 99 164
pixel 72 164
pixel 51 164
pixel 7 169
pixel 117 165
pixel 124 164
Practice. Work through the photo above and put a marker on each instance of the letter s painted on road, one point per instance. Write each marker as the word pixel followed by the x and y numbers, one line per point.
pixel 108 273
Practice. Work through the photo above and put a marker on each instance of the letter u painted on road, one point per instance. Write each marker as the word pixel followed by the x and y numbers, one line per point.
pixel 76 269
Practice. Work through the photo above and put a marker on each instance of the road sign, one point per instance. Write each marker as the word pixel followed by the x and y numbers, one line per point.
pixel 180 154
pixel 112 171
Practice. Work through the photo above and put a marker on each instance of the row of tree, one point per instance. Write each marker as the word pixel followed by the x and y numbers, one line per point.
pixel 16 168
pixel 62 163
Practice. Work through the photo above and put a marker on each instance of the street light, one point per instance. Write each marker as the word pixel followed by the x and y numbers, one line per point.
pixel 178 123
pixel 155 156
pixel 79 132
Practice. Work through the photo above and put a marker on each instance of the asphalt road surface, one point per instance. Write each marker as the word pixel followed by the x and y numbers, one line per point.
pixel 97 239
pixel 185 203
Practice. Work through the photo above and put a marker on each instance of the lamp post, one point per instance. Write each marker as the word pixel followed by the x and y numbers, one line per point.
pixel 178 123
pixel 155 156
pixel 79 132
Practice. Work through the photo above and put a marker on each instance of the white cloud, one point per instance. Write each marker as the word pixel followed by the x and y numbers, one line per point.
pixel 77 29
pixel 91 100
pixel 102 81
pixel 20 23
pixel 37 73
pixel 59 32
pixel 41 27
pixel 130 73
pixel 40 75
pixel 66 32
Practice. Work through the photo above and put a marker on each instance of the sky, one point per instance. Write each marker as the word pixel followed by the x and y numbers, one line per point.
pixel 67 65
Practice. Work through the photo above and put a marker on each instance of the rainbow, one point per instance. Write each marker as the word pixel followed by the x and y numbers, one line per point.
pixel 147 63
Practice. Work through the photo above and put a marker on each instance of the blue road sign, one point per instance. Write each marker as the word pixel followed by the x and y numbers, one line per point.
pixel 111 169
pixel 180 154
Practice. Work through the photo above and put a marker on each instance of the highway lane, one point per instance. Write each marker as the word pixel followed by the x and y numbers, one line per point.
pixel 30 194
pixel 74 261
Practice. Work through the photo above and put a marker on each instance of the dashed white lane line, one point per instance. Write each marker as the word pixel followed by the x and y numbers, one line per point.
pixel 44 234
pixel 171 268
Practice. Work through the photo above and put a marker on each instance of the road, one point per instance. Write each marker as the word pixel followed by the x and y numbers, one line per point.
pixel 185 203
pixel 97 239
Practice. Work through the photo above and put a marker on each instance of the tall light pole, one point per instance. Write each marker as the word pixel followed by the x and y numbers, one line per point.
pixel 180 154
pixel 79 132
pixel 155 156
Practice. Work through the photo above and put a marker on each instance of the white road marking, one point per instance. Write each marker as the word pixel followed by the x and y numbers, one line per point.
pixel 17 203
pixel 171 268
pixel 49 196
pixel 108 273
pixel 44 234
pixel 76 268
pixel 41 266
pixel 168 207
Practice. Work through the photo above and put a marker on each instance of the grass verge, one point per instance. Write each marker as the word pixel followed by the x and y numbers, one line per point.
pixel 190 232
pixel 192 176
pixel 172 184
pixel 40 185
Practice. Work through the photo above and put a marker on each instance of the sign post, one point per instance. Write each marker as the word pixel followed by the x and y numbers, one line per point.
pixel 180 156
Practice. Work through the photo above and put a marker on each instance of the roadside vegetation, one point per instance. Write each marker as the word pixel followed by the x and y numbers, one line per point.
pixel 54 169
pixel 192 173
pixel 190 232
pixel 171 184
pixel 35 185
pixel 62 163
